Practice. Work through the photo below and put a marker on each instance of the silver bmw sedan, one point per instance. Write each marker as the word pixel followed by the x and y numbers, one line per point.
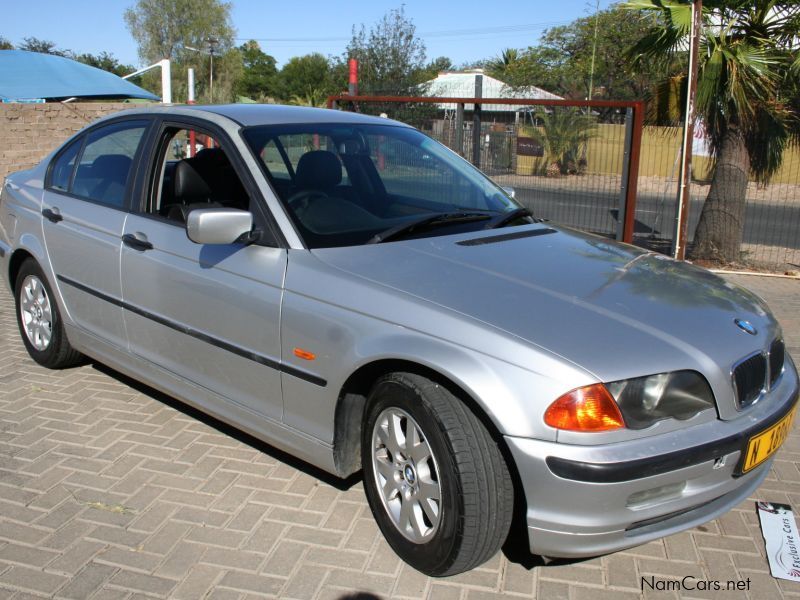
pixel 352 292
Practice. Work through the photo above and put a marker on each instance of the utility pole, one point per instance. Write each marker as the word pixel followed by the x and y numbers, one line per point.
pixel 212 44
pixel 594 53
pixel 682 211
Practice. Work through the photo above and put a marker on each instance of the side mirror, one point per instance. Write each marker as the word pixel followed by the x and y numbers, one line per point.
pixel 218 225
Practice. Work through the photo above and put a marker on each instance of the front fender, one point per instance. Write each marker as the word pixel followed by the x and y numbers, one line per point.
pixel 343 341
pixel 496 386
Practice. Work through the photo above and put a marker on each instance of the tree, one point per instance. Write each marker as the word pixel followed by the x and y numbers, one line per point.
pixel 305 79
pixel 436 66
pixel 106 62
pixel 259 77
pixel 562 61
pixel 168 28
pixel 391 56
pixel 745 91
pixel 5 44
pixel 499 66
pixel 564 134
pixel 32 44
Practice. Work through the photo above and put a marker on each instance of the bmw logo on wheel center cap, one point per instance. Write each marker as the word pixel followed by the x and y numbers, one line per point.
pixel 746 326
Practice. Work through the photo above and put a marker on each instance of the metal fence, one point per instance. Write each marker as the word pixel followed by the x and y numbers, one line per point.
pixel 581 163
pixel 771 217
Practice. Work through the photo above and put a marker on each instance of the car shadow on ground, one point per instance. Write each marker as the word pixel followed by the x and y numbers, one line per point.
pixel 517 550
pixel 340 484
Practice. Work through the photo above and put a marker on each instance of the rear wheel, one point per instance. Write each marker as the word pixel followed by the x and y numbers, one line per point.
pixel 39 320
pixel 434 476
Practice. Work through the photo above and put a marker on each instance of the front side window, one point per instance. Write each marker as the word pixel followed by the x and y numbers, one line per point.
pixel 194 171
pixel 344 184
pixel 105 164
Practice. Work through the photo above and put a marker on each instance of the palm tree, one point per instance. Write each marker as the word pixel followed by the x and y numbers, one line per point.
pixel 745 88
pixel 313 97
pixel 564 134
pixel 499 65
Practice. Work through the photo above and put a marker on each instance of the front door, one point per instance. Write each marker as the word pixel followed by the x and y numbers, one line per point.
pixel 208 313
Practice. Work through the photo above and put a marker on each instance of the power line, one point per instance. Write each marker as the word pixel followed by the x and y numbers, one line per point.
pixel 452 33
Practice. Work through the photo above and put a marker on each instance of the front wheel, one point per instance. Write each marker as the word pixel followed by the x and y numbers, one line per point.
pixel 434 476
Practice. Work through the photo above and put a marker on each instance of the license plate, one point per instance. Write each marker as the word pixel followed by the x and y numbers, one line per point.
pixel 763 445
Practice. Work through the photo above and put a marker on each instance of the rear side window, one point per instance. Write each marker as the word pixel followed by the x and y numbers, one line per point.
pixel 63 166
pixel 105 164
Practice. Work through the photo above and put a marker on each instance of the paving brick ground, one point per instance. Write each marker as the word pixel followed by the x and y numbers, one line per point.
pixel 110 490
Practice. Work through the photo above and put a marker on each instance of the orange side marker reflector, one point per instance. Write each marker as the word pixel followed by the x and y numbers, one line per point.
pixel 304 354
pixel 589 408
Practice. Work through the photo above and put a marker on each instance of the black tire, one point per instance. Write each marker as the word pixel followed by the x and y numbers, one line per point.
pixel 476 490
pixel 58 353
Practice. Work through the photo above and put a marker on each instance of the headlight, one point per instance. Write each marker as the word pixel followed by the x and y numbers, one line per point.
pixel 677 395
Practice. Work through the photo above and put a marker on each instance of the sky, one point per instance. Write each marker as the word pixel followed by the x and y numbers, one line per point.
pixel 463 30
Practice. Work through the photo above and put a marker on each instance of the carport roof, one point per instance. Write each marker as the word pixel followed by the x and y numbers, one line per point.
pixel 31 75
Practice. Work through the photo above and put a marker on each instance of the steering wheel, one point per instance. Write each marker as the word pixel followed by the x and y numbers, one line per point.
pixel 301 201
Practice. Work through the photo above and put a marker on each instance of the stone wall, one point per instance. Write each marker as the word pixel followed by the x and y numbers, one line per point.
pixel 28 132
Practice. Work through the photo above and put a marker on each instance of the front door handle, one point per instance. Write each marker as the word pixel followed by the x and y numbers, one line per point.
pixel 52 214
pixel 137 241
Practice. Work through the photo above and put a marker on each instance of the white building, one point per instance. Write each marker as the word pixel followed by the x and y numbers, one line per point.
pixel 461 84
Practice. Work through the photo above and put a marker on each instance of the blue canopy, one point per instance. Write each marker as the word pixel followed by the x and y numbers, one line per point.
pixel 28 75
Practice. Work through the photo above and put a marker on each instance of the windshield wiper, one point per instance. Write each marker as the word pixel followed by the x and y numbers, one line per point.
pixel 433 220
pixel 506 218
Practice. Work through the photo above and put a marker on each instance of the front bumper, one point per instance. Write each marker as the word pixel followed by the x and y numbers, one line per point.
pixel 590 500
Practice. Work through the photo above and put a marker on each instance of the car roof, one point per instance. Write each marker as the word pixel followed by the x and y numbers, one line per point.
pixel 249 115
pixel 269 114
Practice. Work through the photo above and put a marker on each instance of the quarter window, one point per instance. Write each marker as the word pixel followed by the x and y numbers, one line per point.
pixel 105 164
pixel 63 167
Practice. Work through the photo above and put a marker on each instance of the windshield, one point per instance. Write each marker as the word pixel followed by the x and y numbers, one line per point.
pixel 344 184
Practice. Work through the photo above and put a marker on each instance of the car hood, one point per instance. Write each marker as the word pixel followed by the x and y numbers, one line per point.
pixel 613 309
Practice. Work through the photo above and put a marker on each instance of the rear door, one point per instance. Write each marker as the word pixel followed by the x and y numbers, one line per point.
pixel 85 205
pixel 208 313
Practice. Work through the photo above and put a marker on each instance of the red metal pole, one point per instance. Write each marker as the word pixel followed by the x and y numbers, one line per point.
pixel 633 173
pixel 352 86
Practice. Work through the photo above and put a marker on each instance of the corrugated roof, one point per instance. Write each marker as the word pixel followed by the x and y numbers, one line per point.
pixel 461 84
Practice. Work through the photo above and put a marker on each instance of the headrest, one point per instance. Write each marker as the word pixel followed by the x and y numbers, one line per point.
pixel 188 183
pixel 112 166
pixel 210 156
pixel 318 170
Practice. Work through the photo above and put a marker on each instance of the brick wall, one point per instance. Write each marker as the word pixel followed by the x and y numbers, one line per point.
pixel 28 132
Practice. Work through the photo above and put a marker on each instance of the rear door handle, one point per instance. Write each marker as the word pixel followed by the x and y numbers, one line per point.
pixel 52 214
pixel 137 241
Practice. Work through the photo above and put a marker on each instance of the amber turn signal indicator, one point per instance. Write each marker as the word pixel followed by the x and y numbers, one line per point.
pixel 304 354
pixel 589 408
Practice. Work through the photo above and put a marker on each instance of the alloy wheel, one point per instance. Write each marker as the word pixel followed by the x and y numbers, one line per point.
pixel 36 313
pixel 406 475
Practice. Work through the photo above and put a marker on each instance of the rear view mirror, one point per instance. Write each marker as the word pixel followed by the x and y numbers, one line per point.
pixel 218 225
